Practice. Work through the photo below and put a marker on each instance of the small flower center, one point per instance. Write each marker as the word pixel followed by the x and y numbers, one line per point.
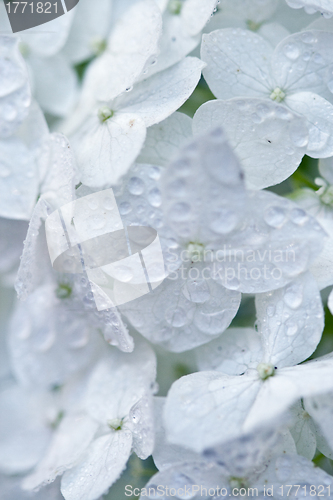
pixel 277 95
pixel 175 7
pixel 252 25
pixel 238 482
pixel 98 45
pixel 105 113
pixel 265 370
pixel 63 291
pixel 115 423
pixel 195 251
pixel 24 49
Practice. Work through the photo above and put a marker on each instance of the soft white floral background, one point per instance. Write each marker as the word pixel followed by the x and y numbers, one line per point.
pixel 213 123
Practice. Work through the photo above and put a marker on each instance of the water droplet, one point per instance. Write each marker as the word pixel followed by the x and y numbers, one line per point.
pixel 275 217
pixel 291 51
pixel 176 317
pixel 136 186
pixel 292 328
pixel 299 216
pixel 154 197
pixel 125 208
pixel 293 296
pixel 308 37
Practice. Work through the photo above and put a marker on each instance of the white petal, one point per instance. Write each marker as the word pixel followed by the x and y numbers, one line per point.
pixel 35 262
pixel 295 470
pixel 141 424
pixel 69 442
pixel 302 432
pixel 290 321
pixel 237 63
pixel 325 166
pixel 184 311
pixel 196 176
pixel 301 61
pixel 90 27
pixel 166 454
pixel 15 95
pixel 311 6
pixel 105 151
pixel 187 479
pixel 48 343
pixel 233 353
pixel 11 488
pixel 320 409
pixel 119 381
pixel 164 140
pixel 103 463
pixel 319 115
pixel 269 140
pixel 159 96
pixel 273 33
pixel 195 14
pixel 19 180
pixel 132 42
pixel 24 434
pixel 55 84
pixel 175 43
pixel 286 387
pixel 286 245
pixel 58 185
pixel 207 407
pixel 330 302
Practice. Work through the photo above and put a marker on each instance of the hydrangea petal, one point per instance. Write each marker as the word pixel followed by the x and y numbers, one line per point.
pixel 269 140
pixel 302 432
pixel 237 63
pixel 164 139
pixel 104 461
pixel 119 381
pixel 15 95
pixel 141 424
pixel 319 115
pixel 320 409
pixel 106 150
pixel 159 96
pixel 69 442
pixel 132 42
pixel 55 84
pixel 89 30
pixel 48 343
pixel 24 431
pixel 301 62
pixel 195 14
pixel 311 6
pixel 207 407
pixel 290 321
pixel 232 353
pixel 180 315
pixel 19 180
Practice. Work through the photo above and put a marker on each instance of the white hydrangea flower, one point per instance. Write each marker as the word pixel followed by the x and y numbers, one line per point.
pixel 15 94
pixel 198 255
pixel 118 400
pixel 290 321
pixel 241 63
pixel 113 135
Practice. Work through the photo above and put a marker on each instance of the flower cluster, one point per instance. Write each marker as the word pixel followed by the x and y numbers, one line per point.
pixel 166 252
